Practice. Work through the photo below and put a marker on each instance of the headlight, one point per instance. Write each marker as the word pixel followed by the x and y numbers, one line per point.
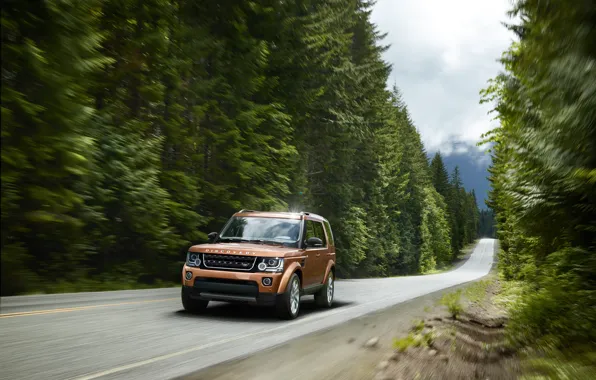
pixel 193 259
pixel 271 264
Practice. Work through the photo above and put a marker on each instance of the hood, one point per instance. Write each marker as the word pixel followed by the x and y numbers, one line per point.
pixel 248 249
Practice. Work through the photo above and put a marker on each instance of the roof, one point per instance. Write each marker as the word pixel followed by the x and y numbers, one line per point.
pixel 284 215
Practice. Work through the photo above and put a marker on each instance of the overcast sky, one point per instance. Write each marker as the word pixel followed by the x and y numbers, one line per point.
pixel 443 53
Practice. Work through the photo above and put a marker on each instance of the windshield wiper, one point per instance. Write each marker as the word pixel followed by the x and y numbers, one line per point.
pixel 277 242
pixel 269 242
pixel 259 241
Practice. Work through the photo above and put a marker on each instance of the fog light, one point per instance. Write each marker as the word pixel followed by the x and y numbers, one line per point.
pixel 188 275
pixel 267 281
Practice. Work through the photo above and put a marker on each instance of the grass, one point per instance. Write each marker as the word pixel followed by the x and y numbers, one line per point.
pixel 540 358
pixel 554 364
pixel 477 291
pixel 467 249
pixel 453 303
pixel 416 338
pixel 511 294
pixel 418 326
pixel 443 269
pixel 413 340
pixel 87 285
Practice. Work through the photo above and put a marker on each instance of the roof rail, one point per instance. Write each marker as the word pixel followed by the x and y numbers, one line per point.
pixel 243 210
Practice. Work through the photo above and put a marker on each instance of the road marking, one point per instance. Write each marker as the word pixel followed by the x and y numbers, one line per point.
pixel 231 339
pixel 69 309
pixel 392 301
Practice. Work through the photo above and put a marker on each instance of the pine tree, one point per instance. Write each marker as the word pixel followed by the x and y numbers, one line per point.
pixel 50 49
pixel 440 177
pixel 486 227
pixel 456 211
pixel 133 226
pixel 542 175
pixel 436 242
pixel 132 128
pixel 472 216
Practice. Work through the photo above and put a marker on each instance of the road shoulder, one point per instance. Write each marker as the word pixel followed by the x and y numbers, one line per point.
pixel 350 350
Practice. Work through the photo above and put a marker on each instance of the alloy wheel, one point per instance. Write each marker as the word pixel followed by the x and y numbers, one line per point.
pixel 295 296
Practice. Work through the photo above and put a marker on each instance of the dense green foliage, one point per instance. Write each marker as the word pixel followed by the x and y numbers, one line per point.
pixel 130 129
pixel 486 224
pixel 544 173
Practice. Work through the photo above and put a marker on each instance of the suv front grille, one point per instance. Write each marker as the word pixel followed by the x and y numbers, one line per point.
pixel 233 262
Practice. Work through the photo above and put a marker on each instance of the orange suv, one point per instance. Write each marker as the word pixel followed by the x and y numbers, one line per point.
pixel 263 258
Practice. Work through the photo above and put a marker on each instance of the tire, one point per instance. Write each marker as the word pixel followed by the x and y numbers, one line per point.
pixel 324 297
pixel 191 305
pixel 288 303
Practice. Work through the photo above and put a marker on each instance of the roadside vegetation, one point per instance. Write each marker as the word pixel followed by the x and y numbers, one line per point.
pixel 544 184
pixel 131 129
pixel 463 337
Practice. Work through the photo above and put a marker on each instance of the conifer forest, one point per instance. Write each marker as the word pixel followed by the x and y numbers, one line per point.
pixel 131 129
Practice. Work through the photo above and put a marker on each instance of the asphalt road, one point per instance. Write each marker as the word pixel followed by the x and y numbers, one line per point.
pixel 145 334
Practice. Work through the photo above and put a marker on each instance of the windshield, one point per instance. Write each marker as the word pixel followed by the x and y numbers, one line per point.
pixel 263 230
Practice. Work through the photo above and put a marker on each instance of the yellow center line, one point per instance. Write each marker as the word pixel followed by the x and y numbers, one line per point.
pixel 69 309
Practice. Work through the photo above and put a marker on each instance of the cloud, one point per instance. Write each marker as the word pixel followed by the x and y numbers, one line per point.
pixel 443 53
pixel 479 155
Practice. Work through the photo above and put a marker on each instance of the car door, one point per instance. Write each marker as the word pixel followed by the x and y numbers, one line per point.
pixel 317 255
pixel 309 267
pixel 330 255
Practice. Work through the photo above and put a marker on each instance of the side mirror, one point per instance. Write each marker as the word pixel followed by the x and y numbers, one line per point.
pixel 212 236
pixel 314 242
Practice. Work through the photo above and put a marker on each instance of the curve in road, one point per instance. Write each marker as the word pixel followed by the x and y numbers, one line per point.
pixel 145 334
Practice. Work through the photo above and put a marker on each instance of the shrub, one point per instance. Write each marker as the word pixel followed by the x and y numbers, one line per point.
pixel 453 303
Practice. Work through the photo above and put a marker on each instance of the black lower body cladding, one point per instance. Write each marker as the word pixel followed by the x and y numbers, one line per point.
pixel 210 289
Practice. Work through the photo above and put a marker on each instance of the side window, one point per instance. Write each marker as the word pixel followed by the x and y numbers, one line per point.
pixel 330 233
pixel 310 230
pixel 320 233
pixel 315 229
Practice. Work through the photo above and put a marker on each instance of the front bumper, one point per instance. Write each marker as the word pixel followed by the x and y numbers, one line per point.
pixel 229 286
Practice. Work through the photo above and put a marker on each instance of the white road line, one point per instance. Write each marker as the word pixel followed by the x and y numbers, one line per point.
pixel 208 345
pixel 394 300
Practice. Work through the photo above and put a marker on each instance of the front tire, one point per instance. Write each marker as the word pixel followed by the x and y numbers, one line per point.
pixel 288 303
pixel 324 297
pixel 192 305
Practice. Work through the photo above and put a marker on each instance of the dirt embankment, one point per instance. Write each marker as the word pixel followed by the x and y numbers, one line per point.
pixel 465 341
pixel 417 339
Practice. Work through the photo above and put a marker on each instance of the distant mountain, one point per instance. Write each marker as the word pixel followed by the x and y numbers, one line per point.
pixel 473 165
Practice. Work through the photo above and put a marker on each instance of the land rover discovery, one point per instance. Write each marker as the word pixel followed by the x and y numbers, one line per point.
pixel 263 258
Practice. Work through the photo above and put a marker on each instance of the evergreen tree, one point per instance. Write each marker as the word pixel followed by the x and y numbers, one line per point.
pixel 440 177
pixel 486 227
pixel 49 52
pixel 542 174
pixel 131 129
pixel 457 211
pixel 436 243
pixel 133 228
pixel 472 216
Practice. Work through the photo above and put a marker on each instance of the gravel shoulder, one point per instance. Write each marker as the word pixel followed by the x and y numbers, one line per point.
pixel 464 341
pixel 350 351
pixel 469 347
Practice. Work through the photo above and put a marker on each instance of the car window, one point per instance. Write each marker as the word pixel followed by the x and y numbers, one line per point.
pixel 285 231
pixel 310 230
pixel 330 233
pixel 315 229
pixel 320 232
